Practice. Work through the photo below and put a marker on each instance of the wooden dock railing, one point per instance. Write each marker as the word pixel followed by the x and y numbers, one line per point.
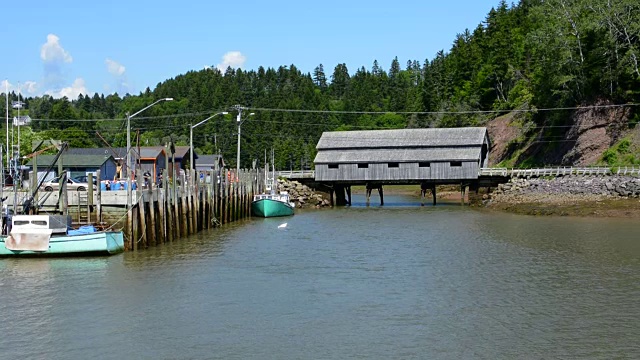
pixel 561 171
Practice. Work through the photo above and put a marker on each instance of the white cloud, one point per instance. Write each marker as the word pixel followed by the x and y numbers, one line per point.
pixel 30 87
pixel 4 84
pixel 114 68
pixel 52 51
pixel 233 59
pixel 78 87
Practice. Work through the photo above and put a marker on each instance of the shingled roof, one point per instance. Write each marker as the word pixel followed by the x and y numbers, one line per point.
pixel 73 160
pixel 403 138
pixel 401 145
pixel 116 152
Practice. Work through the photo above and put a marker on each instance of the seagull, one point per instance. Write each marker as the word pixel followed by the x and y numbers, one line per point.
pixel 282 226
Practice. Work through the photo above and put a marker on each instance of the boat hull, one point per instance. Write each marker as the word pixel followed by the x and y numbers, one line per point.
pixel 271 208
pixel 98 243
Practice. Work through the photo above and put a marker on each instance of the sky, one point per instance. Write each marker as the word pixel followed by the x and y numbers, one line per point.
pixel 64 48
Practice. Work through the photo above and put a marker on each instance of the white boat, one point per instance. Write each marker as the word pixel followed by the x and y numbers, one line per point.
pixel 49 235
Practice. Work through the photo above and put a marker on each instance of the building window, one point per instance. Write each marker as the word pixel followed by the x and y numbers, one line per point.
pixel 455 164
pixel 424 164
pixel 333 166
pixel 393 165
pixel 363 166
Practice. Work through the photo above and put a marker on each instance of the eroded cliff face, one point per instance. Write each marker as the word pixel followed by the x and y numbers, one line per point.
pixel 503 131
pixel 592 133
pixel 582 142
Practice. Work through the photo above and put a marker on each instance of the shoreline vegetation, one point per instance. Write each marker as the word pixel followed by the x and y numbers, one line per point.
pixel 584 196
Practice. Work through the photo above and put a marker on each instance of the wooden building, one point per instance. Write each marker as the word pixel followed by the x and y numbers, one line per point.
pixel 209 162
pixel 153 159
pixel 438 155
pixel 119 153
pixel 181 154
pixel 78 165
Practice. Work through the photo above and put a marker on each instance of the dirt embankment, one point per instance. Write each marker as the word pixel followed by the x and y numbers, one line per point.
pixel 503 132
pixel 589 132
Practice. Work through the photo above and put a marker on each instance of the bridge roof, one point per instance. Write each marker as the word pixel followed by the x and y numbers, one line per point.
pixel 398 155
pixel 403 138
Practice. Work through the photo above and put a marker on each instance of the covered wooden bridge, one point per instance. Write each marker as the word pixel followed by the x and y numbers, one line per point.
pixel 374 158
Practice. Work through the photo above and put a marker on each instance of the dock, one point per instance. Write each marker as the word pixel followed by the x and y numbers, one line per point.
pixel 166 212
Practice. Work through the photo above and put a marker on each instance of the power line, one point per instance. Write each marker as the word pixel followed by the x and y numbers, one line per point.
pixel 443 112
pixel 359 112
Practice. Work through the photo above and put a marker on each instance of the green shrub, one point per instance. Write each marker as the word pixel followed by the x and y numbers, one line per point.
pixel 623 146
pixel 610 157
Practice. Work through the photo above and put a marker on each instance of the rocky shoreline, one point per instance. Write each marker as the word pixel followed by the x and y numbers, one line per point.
pixel 581 195
pixel 304 196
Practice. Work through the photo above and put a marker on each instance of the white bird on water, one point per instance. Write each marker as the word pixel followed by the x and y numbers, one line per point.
pixel 282 226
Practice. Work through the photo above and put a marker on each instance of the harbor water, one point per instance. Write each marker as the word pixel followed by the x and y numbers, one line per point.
pixel 368 282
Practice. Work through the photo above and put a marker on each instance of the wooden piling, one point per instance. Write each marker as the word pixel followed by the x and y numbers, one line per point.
pixel 225 211
pixel 433 193
pixel 161 234
pixel 192 202
pixel 183 204
pixel 89 197
pixel 152 216
pixel 176 210
pixel 134 216
pixel 99 198
pixel 168 225
pixel 141 210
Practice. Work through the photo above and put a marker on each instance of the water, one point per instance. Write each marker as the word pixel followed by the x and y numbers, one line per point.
pixel 398 282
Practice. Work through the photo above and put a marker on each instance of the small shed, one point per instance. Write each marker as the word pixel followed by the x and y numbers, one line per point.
pixel 78 165
pixel 404 155
pixel 209 162
pixel 153 159
pixel 182 156
pixel 119 153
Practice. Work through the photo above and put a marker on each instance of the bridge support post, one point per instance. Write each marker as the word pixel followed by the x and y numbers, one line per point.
pixel 331 191
pixel 368 193
pixel 462 191
pixel 433 193
pixel 340 196
pixel 348 189
pixel 381 192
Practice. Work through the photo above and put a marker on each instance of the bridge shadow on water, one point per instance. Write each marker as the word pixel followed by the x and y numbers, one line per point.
pixel 399 201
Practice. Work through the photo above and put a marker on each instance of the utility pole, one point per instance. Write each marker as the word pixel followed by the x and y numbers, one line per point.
pixel 239 121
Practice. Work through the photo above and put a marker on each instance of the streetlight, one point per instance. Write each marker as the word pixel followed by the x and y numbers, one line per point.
pixel 239 121
pixel 129 131
pixel 191 133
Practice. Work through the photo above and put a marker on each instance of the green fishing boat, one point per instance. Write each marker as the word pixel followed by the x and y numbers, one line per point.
pixel 272 205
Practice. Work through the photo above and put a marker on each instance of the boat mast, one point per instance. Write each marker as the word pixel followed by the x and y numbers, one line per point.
pixel 273 173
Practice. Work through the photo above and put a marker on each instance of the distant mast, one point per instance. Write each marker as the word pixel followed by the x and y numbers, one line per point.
pixel 6 83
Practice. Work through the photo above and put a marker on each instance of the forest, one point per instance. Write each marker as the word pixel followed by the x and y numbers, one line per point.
pixel 538 58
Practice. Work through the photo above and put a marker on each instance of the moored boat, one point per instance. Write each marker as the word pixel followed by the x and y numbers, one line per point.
pixel 272 205
pixel 47 235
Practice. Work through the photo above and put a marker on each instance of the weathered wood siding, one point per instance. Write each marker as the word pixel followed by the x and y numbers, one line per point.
pixel 404 171
pixel 446 154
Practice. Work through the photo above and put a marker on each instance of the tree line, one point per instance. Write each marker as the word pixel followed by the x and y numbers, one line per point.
pixel 527 56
